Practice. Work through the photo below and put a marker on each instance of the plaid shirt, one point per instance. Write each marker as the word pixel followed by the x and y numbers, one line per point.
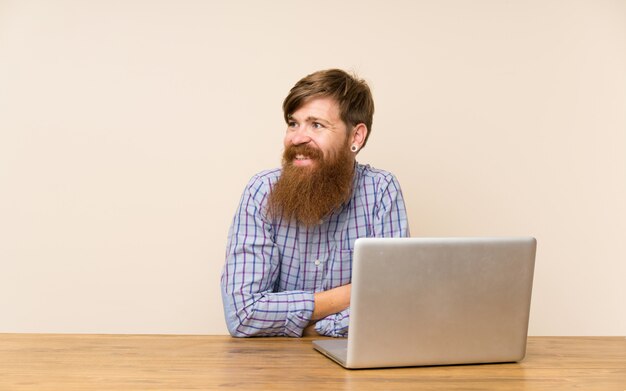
pixel 273 267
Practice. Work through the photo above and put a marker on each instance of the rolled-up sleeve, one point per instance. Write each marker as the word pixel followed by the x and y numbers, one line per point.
pixel 335 325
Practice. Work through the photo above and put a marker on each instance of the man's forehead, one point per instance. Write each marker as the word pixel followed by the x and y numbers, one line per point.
pixel 317 108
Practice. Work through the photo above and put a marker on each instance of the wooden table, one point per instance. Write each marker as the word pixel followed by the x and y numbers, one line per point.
pixel 169 362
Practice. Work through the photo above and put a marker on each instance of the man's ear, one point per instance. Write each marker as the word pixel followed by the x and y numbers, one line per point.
pixel 359 133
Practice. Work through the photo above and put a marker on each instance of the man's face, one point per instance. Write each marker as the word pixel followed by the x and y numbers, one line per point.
pixel 318 165
pixel 315 129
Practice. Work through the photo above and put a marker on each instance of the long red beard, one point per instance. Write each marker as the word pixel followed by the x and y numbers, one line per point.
pixel 308 194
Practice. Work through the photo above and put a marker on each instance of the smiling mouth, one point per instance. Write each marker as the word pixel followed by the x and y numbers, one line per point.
pixel 303 160
pixel 302 156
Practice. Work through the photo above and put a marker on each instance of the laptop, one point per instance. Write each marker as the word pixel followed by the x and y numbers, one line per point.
pixel 436 301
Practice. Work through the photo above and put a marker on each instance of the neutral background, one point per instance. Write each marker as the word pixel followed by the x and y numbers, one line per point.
pixel 128 130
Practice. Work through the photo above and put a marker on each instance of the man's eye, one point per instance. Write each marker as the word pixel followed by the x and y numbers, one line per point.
pixel 317 125
pixel 292 124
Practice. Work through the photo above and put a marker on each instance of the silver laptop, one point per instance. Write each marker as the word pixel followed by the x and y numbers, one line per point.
pixel 436 301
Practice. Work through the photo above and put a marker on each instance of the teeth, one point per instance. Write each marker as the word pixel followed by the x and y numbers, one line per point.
pixel 301 157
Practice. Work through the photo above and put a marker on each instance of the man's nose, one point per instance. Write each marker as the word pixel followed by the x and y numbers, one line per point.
pixel 300 135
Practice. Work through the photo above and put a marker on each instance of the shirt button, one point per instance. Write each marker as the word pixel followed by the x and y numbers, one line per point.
pixel 317 262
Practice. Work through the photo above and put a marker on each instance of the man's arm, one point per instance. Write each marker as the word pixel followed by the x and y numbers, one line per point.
pixel 328 303
pixel 391 217
pixel 251 306
pixel 331 301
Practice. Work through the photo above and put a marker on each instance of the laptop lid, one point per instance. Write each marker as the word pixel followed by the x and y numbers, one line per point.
pixel 437 301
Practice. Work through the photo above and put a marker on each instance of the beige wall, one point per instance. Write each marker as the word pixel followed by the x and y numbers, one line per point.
pixel 129 128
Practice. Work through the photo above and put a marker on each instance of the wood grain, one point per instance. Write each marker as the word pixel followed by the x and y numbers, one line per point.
pixel 171 362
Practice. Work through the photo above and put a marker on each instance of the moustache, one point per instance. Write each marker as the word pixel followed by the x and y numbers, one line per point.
pixel 293 150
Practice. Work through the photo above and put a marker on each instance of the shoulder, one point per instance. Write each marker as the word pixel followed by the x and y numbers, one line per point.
pixel 375 184
pixel 369 174
pixel 266 176
pixel 262 182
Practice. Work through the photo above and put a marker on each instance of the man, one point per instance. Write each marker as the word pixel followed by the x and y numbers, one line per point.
pixel 289 254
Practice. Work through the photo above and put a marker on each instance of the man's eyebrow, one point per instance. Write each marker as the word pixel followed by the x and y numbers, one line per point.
pixel 315 119
pixel 290 117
